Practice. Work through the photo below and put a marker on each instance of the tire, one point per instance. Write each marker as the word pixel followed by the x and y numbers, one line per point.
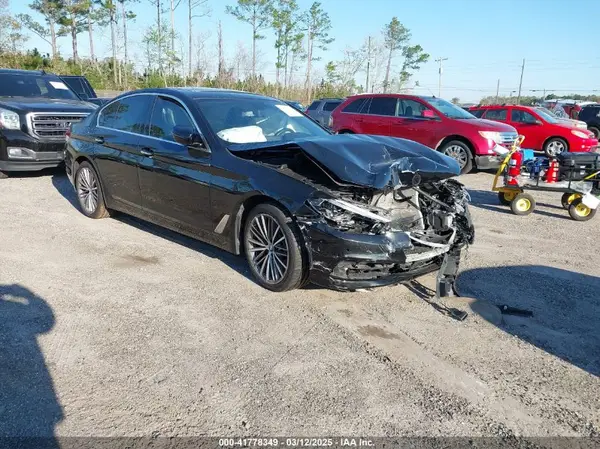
pixel 595 130
pixel 3 175
pixel 568 198
pixel 260 231
pixel 506 198
pixel 86 183
pixel 523 204
pixel 345 131
pixel 461 153
pixel 580 212
pixel 555 146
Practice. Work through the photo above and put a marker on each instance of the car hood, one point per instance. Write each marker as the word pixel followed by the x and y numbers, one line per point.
pixel 372 161
pixel 25 104
pixel 490 125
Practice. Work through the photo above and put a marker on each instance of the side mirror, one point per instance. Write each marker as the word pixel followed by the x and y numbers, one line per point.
pixel 187 136
pixel 428 113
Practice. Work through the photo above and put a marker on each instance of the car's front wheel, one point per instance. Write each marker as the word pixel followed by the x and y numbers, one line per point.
pixel 272 243
pixel 89 192
pixel 555 146
pixel 3 175
pixel 461 153
pixel 596 131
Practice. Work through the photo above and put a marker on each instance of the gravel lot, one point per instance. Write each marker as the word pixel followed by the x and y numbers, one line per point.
pixel 115 327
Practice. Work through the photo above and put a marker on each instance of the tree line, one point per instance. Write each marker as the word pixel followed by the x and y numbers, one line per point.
pixel 384 62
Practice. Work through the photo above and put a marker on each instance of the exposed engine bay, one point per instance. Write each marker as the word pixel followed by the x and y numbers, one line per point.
pixel 434 213
pixel 382 210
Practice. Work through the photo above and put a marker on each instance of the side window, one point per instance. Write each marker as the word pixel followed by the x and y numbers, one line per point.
pixel 383 106
pixel 355 106
pixel 314 105
pixel 331 105
pixel 109 115
pixel 517 115
pixel 167 114
pixel 411 108
pixel 134 113
pixel 496 114
pixel 477 113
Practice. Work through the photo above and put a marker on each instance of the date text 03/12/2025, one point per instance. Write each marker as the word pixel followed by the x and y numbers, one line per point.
pixel 295 442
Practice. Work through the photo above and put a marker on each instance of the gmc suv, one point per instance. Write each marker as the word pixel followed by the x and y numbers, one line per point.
pixel 430 121
pixel 36 110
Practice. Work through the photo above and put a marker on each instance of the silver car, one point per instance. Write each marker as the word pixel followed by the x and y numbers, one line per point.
pixel 320 110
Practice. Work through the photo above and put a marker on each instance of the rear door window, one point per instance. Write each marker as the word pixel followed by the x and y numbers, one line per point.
pixel 134 114
pixel 109 115
pixel 383 106
pixel 496 114
pixel 355 106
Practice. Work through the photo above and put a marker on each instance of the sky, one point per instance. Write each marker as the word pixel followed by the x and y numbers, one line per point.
pixel 484 41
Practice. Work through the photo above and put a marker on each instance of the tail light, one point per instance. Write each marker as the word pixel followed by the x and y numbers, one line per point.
pixel 330 123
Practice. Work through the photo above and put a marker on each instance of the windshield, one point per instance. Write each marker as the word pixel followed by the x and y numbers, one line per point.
pixel 450 110
pixel 547 115
pixel 19 85
pixel 255 120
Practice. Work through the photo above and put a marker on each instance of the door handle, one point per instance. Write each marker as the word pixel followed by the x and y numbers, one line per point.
pixel 146 152
pixel 99 140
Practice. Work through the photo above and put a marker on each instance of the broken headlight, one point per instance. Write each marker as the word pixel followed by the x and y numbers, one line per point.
pixel 346 216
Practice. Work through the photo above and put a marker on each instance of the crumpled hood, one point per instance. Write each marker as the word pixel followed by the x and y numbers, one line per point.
pixel 377 161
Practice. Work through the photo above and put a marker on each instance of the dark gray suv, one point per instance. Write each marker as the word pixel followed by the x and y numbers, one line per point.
pixel 320 110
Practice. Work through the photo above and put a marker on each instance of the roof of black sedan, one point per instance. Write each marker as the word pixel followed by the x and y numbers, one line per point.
pixel 203 92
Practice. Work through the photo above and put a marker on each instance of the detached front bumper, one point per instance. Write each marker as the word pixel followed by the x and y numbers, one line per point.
pixel 343 261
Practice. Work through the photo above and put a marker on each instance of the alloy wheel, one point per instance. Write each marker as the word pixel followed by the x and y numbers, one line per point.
pixel 457 153
pixel 554 148
pixel 87 190
pixel 268 248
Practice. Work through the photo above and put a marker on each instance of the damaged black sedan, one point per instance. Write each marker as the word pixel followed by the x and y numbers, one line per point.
pixel 252 175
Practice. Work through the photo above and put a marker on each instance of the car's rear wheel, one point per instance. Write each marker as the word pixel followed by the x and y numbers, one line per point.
pixel 461 153
pixel 595 131
pixel 272 243
pixel 555 146
pixel 89 192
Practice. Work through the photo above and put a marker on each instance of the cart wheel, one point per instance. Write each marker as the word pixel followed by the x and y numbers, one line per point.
pixel 580 212
pixel 506 197
pixel 523 204
pixel 568 198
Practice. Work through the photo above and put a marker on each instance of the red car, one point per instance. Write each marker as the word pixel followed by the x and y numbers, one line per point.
pixel 430 121
pixel 542 131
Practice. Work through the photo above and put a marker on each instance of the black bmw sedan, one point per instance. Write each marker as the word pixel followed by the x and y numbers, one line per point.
pixel 253 176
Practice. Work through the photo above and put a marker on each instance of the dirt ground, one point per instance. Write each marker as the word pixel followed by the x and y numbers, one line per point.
pixel 117 328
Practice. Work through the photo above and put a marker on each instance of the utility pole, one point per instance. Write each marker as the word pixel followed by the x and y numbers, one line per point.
pixel 368 61
pixel 521 82
pixel 497 90
pixel 440 60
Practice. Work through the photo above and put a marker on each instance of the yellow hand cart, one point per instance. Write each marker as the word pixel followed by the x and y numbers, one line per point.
pixel 581 197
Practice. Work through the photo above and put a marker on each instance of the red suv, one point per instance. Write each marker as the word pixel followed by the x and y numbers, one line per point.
pixel 430 121
pixel 542 131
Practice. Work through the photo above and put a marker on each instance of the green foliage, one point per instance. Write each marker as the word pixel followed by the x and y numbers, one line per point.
pixel 318 26
pixel 257 13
